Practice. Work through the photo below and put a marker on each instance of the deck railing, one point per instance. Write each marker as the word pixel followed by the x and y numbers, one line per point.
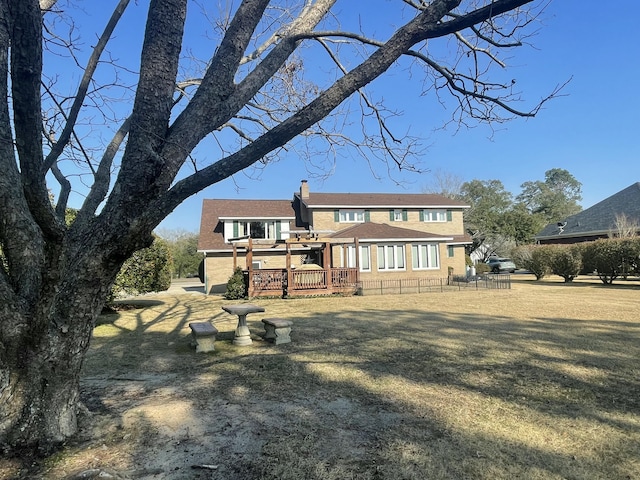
pixel 272 281
pixel 269 281
pixel 308 280
pixel 344 278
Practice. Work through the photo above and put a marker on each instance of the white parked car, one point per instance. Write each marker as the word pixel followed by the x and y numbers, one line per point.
pixel 501 265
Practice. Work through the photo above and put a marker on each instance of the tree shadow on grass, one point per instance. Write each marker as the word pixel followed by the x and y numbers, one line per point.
pixel 367 392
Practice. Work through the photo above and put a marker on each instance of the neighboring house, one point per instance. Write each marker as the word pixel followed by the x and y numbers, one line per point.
pixel 331 240
pixel 602 220
pixel 481 254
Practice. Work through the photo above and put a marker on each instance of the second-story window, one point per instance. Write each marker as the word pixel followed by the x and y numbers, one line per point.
pixel 351 216
pixel 434 215
pixel 256 229
pixel 241 229
pixel 263 230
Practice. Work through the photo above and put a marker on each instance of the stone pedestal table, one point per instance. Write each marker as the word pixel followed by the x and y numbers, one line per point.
pixel 242 335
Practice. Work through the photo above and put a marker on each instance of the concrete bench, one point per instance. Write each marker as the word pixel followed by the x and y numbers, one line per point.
pixel 203 336
pixel 277 330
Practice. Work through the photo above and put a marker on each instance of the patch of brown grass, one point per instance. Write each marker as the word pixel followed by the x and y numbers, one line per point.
pixel 537 382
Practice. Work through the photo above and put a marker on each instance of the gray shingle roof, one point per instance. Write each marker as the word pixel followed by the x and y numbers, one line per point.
pixel 600 218
pixel 378 231
pixel 391 200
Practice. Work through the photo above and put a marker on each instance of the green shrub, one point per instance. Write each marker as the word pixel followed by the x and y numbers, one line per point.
pixel 235 286
pixel 534 258
pixel 566 261
pixel 633 255
pixel 467 260
pixel 612 257
pixel 148 270
pixel 481 268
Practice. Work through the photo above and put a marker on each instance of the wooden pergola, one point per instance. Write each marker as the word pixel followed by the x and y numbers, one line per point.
pixel 292 281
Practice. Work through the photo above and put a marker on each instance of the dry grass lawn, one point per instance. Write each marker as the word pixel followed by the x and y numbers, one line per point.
pixel 538 382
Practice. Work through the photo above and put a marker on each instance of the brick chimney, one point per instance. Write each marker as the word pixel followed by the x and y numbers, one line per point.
pixel 304 189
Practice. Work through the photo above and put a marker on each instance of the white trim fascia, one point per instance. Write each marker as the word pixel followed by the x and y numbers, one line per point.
pixel 230 249
pixel 257 218
pixel 395 207
pixel 406 240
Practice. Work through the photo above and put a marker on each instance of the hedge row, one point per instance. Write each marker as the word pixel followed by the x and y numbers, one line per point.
pixel 609 258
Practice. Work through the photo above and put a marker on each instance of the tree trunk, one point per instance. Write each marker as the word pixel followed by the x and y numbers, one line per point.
pixel 40 397
pixel 43 350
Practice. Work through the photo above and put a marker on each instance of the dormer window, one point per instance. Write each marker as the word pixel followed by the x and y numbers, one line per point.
pixel 255 229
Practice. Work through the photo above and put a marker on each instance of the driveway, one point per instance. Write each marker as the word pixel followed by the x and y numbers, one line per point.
pixel 186 285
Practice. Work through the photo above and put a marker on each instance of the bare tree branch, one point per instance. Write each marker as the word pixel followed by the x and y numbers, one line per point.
pixel 80 96
pixel 188 130
pixel 26 68
pixel 102 177
pixel 378 62
pixel 20 269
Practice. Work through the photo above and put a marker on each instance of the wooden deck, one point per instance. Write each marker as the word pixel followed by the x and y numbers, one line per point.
pixel 280 282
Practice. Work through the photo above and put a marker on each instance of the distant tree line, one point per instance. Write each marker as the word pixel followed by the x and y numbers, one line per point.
pixel 497 220
pixel 184 250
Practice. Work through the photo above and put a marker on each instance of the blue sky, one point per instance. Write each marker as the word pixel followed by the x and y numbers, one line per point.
pixel 591 131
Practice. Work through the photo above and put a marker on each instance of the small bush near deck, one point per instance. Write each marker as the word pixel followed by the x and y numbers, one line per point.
pixel 235 286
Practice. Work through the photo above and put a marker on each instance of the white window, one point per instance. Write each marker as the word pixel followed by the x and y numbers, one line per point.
pixel 397 216
pixel 365 257
pixel 391 257
pixel 243 229
pixel 257 230
pixel 270 230
pixel 435 215
pixel 263 230
pixel 351 216
pixel 254 229
pixel 425 256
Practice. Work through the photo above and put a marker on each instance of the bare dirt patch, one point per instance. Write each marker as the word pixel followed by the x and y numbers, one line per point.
pixel 541 381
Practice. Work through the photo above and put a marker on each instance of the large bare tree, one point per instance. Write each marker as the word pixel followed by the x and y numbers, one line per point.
pixel 255 85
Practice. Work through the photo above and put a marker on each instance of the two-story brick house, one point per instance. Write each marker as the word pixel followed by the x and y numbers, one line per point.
pixel 394 236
